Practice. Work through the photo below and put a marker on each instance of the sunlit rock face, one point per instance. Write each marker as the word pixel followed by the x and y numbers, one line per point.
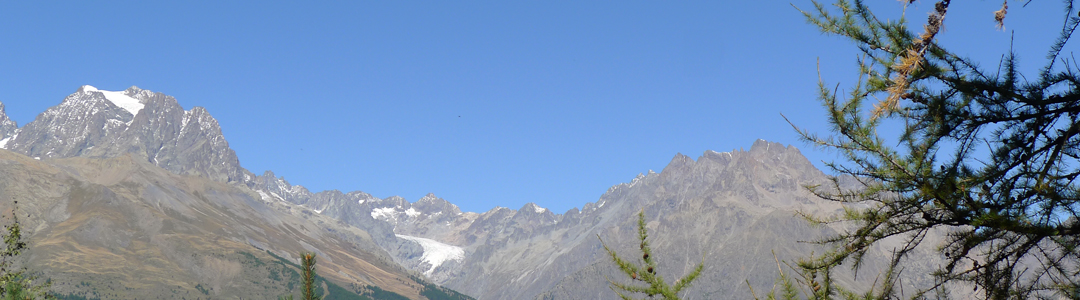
pixel 124 195
pixel 8 128
pixel 150 126
pixel 731 210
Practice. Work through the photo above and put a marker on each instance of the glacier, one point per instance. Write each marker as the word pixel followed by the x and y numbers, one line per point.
pixel 435 252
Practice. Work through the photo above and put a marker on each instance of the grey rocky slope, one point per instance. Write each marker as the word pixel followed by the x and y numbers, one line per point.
pixel 8 128
pixel 152 129
pixel 354 209
pixel 122 228
pixel 730 209
pixel 151 126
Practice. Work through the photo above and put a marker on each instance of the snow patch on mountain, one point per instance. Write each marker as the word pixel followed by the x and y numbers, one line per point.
pixel 264 196
pixel 435 252
pixel 382 213
pixel 120 99
pixel 3 142
pixel 535 208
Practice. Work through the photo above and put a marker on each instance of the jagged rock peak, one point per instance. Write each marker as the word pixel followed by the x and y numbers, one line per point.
pixel 81 122
pixel 637 179
pixel 86 89
pixel 8 128
pixel 396 201
pixel 499 210
pixel 269 174
pixel 430 197
pixel 765 146
pixel 766 151
pixel 679 161
pixel 362 196
pixel 760 149
pixel 533 214
pixel 148 125
pixel 533 208
pixel 431 203
pixel 131 100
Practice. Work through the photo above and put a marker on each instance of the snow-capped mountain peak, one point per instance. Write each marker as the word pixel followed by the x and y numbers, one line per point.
pixel 118 98
pixel 124 101
pixel 86 89
pixel 533 207
pixel 99 123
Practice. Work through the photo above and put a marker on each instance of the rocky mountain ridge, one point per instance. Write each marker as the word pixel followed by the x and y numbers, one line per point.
pixel 122 228
pixel 730 207
pixel 715 206
pixel 151 126
pixel 8 128
pixel 168 157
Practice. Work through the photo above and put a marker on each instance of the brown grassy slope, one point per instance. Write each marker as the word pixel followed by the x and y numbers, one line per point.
pixel 122 228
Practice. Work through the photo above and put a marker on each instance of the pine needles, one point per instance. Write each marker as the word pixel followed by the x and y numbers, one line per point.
pixel 307 278
pixel 992 157
pixel 307 262
pixel 646 272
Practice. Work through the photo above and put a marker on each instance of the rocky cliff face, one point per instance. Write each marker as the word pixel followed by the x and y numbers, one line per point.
pixel 150 126
pixel 736 199
pixel 8 128
pixel 377 216
pixel 730 209
pixel 131 194
pixel 154 128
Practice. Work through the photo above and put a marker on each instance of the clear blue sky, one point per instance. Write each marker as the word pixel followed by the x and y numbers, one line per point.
pixel 484 103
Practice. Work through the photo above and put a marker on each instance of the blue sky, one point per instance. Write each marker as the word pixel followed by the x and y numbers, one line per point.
pixel 484 103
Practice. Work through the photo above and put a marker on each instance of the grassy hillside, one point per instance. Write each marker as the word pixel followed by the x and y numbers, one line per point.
pixel 121 228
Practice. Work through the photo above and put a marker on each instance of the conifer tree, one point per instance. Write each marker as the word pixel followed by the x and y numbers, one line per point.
pixel 307 262
pixel 307 278
pixel 647 272
pixel 811 283
pixel 990 156
pixel 16 282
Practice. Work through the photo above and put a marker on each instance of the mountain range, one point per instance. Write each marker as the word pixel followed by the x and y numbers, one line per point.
pixel 126 194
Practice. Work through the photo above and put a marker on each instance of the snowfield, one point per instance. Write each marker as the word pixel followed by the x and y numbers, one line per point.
pixel 119 99
pixel 382 213
pixel 435 252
